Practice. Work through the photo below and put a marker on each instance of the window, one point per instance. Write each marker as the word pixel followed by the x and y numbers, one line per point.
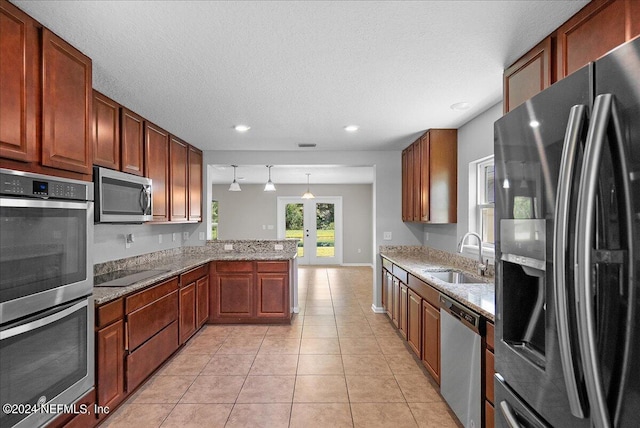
pixel 482 200
pixel 214 219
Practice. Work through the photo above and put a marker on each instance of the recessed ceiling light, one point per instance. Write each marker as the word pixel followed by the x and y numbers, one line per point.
pixel 242 128
pixel 351 128
pixel 460 106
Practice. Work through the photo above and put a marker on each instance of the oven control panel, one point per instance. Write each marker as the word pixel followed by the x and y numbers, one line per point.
pixel 17 183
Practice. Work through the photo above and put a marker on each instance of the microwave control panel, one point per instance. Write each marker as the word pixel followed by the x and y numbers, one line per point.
pixel 38 186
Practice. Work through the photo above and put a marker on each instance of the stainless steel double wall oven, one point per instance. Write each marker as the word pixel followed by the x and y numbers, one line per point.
pixel 46 305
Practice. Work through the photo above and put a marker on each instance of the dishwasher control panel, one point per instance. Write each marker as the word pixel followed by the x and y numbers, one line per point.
pixel 466 316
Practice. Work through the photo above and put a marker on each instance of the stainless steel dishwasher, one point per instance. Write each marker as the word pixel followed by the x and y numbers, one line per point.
pixel 460 368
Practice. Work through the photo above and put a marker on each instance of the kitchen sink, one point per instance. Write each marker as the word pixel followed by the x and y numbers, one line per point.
pixel 453 277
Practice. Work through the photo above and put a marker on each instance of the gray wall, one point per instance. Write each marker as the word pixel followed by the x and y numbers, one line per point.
pixel 475 141
pixel 108 239
pixel 242 215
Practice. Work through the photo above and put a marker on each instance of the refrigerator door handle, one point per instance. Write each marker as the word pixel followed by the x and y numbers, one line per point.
pixel 605 117
pixel 577 117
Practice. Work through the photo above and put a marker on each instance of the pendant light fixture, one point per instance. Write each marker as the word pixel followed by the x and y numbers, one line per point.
pixel 308 194
pixel 269 187
pixel 235 186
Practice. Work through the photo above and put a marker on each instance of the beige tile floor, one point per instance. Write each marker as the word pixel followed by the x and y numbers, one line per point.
pixel 337 365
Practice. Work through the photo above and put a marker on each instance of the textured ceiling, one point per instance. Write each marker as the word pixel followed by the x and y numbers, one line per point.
pixel 299 72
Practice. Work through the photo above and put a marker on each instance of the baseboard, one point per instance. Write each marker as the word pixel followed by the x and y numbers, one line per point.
pixel 377 309
pixel 358 264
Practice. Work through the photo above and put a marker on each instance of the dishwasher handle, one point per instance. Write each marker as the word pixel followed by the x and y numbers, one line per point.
pixel 461 313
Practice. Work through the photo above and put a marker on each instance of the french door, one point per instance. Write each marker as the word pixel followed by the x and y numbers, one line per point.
pixel 317 223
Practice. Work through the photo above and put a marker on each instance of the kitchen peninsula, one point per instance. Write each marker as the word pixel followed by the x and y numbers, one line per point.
pixel 148 306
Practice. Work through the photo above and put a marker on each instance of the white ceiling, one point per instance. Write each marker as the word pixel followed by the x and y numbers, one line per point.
pixel 299 72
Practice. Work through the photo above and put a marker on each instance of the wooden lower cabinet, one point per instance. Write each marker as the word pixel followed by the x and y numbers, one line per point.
pixel 414 322
pixel 402 314
pixel 386 278
pixel 79 420
pixel 431 339
pixel 489 415
pixel 489 371
pixel 187 312
pixel 110 356
pixel 148 357
pixel 395 311
pixel 250 292
pixel 202 300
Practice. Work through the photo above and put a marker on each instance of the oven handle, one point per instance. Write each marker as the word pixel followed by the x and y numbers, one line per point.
pixel 10 202
pixel 38 321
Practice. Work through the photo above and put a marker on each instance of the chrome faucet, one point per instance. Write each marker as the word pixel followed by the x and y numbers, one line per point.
pixel 482 264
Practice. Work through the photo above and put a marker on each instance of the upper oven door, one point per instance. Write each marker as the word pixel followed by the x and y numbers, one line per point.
pixel 44 254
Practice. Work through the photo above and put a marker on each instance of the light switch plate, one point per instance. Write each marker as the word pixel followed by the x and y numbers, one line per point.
pixel 279 247
pixel 228 247
pixel 387 236
pixel 185 236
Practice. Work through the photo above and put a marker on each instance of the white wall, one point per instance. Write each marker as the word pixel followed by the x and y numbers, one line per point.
pixel 475 141
pixel 249 214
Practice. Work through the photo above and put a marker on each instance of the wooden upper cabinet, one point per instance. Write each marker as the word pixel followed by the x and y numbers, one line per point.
pixel 633 19
pixel 592 32
pixel 132 142
pixel 106 131
pixel 157 169
pixel 528 76
pixel 430 177
pixel 443 176
pixel 195 184
pixel 178 179
pixel 19 84
pixel 66 106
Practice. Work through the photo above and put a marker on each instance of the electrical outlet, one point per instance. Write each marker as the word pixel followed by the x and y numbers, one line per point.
pixel 426 236
pixel 387 236
pixel 174 236
pixel 201 236
pixel 279 247
pixel 228 247
pixel 185 236
pixel 359 250
pixel 160 239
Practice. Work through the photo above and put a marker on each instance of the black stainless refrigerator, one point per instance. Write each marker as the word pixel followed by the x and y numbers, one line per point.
pixel 567 168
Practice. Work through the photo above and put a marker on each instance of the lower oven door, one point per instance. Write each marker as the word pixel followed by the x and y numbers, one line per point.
pixel 47 359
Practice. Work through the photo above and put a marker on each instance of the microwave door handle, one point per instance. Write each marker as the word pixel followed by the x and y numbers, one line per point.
pixel 572 139
pixel 41 322
pixel 144 199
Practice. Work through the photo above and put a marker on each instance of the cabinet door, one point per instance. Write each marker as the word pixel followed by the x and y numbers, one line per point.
pixel 273 295
pixel 414 322
pixel 410 183
pixel 402 314
pixel 417 180
pixel 390 296
pixel 424 178
pixel 156 167
pixel 431 340
pixel 202 299
pixel 178 179
pixel 443 175
pixel 592 32
pixel 66 106
pixel 195 184
pixel 405 186
pixel 131 142
pixel 395 312
pixel 110 364
pixel 385 290
pixel 187 312
pixel 106 131
pixel 233 294
pixel 20 84
pixel 529 75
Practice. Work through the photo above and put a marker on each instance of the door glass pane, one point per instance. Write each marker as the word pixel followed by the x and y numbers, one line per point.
pixel 294 222
pixel 325 229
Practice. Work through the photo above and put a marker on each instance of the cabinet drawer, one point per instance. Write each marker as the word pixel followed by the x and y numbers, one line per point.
pixel 148 320
pixel 150 294
pixel 427 292
pixel 400 273
pixel 387 264
pixel 149 356
pixel 234 266
pixel 109 312
pixel 273 266
pixel 192 275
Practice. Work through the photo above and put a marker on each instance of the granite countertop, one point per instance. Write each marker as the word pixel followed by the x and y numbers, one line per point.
pixel 174 265
pixel 480 296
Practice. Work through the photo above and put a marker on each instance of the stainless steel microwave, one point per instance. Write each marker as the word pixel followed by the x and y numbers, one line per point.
pixel 121 197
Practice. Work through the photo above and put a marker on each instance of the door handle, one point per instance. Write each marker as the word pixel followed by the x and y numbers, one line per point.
pixel 509 415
